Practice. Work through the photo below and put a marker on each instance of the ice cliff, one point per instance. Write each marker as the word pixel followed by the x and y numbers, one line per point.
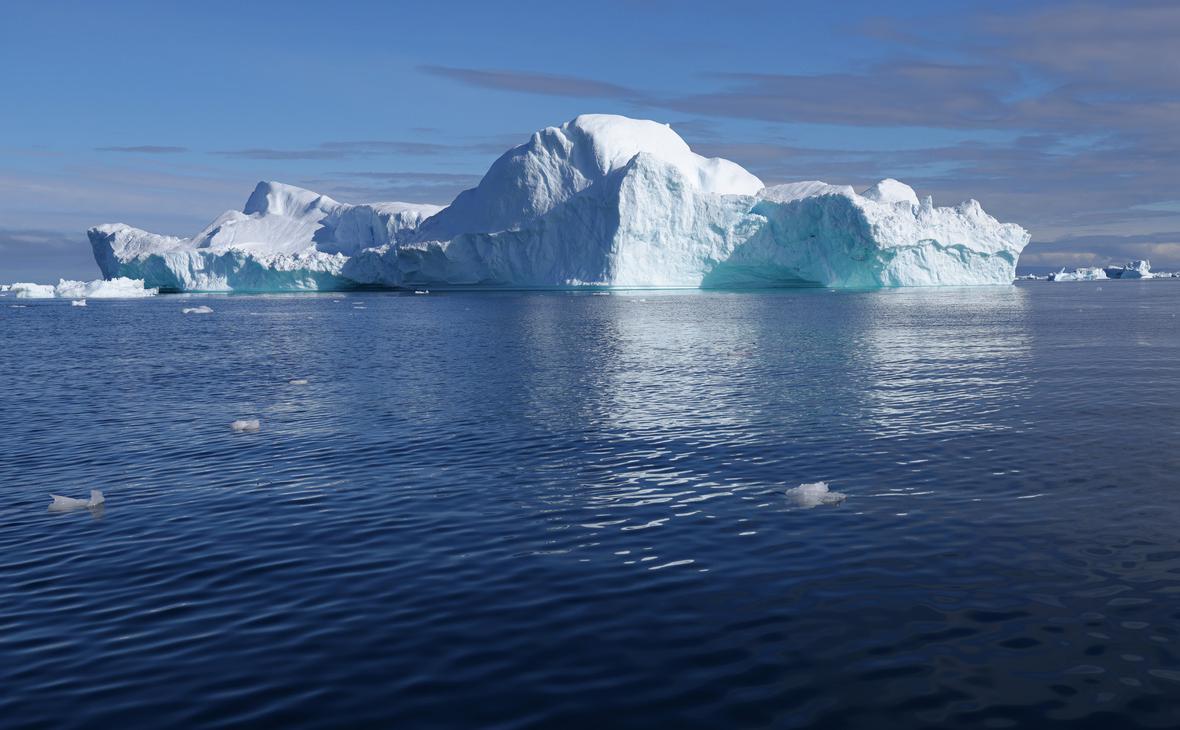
pixel 601 200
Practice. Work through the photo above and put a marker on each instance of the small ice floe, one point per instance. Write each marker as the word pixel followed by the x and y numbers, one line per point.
pixel 297 381
pixel 246 425
pixel 78 303
pixel 814 494
pixel 197 310
pixel 62 504
pixel 421 291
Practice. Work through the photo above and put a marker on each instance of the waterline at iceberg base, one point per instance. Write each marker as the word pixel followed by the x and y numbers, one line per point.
pixel 601 201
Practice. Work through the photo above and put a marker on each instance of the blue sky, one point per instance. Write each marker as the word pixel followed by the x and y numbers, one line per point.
pixel 1058 116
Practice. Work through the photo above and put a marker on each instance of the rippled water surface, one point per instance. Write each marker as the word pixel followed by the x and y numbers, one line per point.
pixel 567 510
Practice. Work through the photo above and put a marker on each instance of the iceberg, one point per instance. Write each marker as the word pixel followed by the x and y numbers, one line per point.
pixel 1085 273
pixel 24 290
pixel 1134 270
pixel 117 288
pixel 600 201
pixel 284 239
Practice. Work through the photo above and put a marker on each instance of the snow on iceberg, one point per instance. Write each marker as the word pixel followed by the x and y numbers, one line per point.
pixel 602 200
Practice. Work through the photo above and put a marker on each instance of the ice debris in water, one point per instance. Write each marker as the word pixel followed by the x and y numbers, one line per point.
pixel 814 494
pixel 297 381
pixel 421 291
pixel 78 303
pixel 197 310
pixel 246 425
pixel 61 503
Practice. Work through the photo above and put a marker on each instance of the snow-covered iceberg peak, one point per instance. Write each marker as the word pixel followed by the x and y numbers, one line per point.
pixel 892 191
pixel 275 198
pixel 528 181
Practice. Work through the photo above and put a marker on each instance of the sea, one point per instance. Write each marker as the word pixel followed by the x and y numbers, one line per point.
pixel 572 510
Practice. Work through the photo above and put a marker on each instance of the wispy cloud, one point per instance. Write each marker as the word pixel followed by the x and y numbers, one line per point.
pixel 416 187
pixel 145 149
pixel 353 149
pixel 532 82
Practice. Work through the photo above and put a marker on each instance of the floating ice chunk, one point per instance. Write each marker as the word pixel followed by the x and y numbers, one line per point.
pixel 814 494
pixel 4 288
pixel 61 504
pixel 297 381
pixel 246 425
pixel 78 303
pixel 421 291
pixel 197 310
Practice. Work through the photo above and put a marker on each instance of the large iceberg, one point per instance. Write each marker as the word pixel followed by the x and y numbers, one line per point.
pixel 601 200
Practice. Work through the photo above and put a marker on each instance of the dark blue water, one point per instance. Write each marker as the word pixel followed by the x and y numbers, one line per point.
pixel 560 510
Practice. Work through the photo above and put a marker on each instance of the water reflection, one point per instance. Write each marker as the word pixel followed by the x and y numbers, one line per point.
pixel 943 361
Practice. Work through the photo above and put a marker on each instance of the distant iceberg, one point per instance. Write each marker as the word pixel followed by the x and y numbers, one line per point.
pixel 1085 273
pixel 1135 270
pixel 1140 269
pixel 24 290
pixel 116 288
pixel 603 201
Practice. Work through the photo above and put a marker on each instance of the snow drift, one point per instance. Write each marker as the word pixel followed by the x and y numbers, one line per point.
pixel 601 200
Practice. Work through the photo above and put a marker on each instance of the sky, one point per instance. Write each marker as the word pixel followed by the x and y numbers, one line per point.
pixel 1061 116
